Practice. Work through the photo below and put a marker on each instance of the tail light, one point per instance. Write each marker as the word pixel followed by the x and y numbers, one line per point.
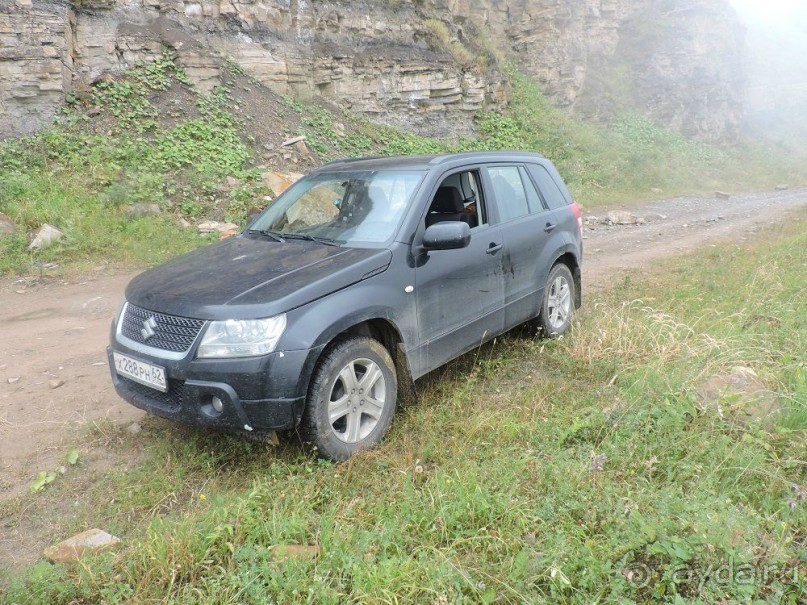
pixel 578 214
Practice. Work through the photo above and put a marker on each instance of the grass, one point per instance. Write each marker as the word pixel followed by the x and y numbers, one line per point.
pixel 585 470
pixel 630 157
pixel 94 230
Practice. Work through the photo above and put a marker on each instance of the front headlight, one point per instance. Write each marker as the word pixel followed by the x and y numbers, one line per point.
pixel 242 337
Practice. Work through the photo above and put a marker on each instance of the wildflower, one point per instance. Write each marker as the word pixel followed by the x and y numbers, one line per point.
pixel 598 463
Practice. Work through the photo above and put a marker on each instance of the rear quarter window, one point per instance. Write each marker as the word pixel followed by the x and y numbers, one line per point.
pixel 533 199
pixel 552 194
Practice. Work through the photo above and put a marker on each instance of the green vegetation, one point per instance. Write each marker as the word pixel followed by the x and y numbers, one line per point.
pixel 438 32
pixel 621 162
pixel 81 175
pixel 441 39
pixel 151 138
pixel 333 140
pixel 585 470
pixel 627 159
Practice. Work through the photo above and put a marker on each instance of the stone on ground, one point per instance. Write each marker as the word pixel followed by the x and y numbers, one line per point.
pixel 92 541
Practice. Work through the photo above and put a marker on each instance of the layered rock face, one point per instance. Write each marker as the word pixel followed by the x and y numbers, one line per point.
pixel 680 62
pixel 391 59
pixel 372 58
pixel 35 64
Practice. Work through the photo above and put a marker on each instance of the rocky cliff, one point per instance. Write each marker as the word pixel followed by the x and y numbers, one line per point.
pixel 678 61
pixel 427 65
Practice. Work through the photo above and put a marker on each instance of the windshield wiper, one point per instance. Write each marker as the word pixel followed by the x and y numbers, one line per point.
pixel 273 234
pixel 311 238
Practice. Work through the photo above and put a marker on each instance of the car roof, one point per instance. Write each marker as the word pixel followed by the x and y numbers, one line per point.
pixel 427 162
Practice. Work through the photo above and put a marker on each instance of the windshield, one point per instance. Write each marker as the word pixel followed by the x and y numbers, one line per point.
pixel 342 207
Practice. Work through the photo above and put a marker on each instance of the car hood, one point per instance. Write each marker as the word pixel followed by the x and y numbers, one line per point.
pixel 243 278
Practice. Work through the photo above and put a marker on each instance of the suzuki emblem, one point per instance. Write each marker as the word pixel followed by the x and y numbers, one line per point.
pixel 149 328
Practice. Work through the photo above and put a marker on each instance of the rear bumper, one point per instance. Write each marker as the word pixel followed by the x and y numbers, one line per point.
pixel 261 393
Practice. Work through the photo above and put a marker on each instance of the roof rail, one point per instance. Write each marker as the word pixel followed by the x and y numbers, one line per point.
pixel 351 160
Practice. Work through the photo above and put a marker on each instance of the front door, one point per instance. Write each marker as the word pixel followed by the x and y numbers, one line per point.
pixel 459 293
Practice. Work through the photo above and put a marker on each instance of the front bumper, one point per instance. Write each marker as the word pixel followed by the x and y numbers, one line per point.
pixel 258 393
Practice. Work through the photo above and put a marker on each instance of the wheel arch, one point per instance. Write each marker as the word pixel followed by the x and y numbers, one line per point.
pixel 571 261
pixel 384 331
pixel 381 329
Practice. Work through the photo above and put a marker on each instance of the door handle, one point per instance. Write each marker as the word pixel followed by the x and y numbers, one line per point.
pixel 493 248
pixel 549 227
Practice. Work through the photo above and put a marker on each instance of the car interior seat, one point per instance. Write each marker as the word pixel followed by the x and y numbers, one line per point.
pixel 447 206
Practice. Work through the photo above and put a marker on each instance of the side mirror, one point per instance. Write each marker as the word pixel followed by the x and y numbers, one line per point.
pixel 448 235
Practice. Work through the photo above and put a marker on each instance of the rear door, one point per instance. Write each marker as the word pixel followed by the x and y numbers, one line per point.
pixel 459 293
pixel 557 198
pixel 526 226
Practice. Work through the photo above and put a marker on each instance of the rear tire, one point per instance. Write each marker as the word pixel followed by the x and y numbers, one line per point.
pixel 557 308
pixel 351 399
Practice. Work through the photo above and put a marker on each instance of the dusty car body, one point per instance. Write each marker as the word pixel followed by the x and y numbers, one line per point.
pixel 363 276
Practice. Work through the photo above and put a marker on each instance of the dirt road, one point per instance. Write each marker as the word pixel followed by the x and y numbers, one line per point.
pixel 53 373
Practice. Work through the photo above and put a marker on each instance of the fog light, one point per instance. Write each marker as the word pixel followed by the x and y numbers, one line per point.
pixel 218 404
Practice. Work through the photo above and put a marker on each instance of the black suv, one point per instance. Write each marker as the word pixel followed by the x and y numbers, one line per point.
pixel 363 276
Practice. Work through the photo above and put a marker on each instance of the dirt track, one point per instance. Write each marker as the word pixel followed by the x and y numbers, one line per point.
pixel 53 373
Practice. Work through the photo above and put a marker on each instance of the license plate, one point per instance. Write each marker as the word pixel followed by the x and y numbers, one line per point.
pixel 140 371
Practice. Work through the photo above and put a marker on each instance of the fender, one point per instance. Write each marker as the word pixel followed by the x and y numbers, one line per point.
pixel 314 325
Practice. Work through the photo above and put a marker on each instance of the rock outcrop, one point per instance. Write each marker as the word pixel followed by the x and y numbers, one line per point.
pixel 424 65
pixel 680 62
pixel 36 68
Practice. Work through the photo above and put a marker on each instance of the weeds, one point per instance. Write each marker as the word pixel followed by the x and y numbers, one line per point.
pixel 127 99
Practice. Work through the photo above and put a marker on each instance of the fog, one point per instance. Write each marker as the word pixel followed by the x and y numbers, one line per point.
pixel 777 69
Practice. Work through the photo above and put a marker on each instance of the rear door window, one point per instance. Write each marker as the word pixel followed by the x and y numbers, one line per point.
pixel 511 199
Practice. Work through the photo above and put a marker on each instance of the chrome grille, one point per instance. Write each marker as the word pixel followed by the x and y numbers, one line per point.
pixel 171 334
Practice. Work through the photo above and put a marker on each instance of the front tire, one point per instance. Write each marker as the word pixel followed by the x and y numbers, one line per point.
pixel 351 399
pixel 557 307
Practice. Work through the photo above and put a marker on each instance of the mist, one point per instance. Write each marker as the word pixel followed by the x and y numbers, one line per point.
pixel 777 70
